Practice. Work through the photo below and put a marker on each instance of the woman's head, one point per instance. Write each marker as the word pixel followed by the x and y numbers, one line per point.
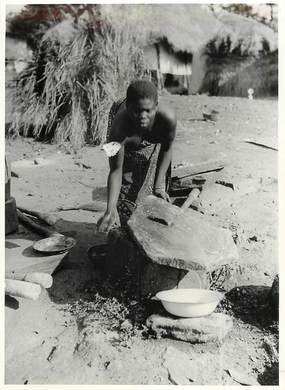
pixel 142 100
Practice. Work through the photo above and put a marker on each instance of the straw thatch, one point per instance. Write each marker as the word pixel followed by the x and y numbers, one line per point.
pixel 249 35
pixel 187 27
pixel 77 73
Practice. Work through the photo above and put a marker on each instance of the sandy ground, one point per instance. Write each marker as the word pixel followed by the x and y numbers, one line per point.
pixel 81 331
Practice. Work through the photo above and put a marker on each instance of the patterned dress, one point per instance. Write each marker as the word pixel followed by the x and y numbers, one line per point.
pixel 139 169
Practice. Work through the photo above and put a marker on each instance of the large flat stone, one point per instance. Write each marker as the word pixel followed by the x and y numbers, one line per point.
pixel 191 243
pixel 194 330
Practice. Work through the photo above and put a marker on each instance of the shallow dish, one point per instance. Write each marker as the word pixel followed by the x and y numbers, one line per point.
pixel 188 302
pixel 54 244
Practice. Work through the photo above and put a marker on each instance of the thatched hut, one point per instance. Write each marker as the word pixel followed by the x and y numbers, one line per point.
pixel 178 38
pixel 239 43
pixel 173 33
pixel 85 62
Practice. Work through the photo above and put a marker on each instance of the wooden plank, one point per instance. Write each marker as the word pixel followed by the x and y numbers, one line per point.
pixel 192 242
pixel 194 169
pixel 263 143
pixel 21 257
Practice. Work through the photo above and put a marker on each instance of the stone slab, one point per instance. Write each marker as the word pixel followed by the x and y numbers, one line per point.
pixel 194 330
pixel 216 197
pixel 191 243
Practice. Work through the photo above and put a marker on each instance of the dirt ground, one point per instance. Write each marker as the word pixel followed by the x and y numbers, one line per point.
pixel 81 330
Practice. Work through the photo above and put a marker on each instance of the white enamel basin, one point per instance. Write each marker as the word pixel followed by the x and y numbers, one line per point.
pixel 190 302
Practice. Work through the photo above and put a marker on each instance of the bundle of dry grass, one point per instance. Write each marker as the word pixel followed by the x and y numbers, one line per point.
pixel 79 69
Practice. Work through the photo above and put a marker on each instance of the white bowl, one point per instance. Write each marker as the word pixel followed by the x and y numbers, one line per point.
pixel 189 302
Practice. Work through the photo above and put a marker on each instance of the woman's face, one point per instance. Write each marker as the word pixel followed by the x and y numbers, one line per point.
pixel 142 112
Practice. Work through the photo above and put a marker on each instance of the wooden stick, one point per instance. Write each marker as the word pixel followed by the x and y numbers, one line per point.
pixel 190 199
pixel 18 288
pixel 94 206
pixel 169 222
pixel 34 226
pixel 46 217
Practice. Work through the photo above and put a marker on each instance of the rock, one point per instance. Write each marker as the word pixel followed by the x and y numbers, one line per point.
pixel 194 330
pixel 126 325
pixel 271 350
pixel 179 367
pixel 177 376
pixel 40 161
pixel 215 197
pixel 242 378
pixel 191 243
pixel 273 297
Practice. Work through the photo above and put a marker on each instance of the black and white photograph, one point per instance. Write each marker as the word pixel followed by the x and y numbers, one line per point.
pixel 141 194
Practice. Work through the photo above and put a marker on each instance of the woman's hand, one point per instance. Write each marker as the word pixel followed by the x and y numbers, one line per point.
pixel 106 222
pixel 161 193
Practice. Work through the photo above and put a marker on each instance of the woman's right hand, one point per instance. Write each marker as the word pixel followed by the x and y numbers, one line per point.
pixel 106 222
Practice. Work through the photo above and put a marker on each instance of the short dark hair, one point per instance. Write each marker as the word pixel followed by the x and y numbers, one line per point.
pixel 141 89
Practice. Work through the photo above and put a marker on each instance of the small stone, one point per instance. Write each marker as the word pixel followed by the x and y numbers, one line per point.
pixel 125 325
pixel 106 364
pixel 179 367
pixel 252 358
pixel 272 352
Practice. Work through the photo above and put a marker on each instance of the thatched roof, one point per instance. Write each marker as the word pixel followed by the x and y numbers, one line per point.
pixel 250 32
pixel 187 27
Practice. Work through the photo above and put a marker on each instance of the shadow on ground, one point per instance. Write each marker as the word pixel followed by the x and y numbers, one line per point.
pixel 270 376
pixel 83 287
pixel 251 305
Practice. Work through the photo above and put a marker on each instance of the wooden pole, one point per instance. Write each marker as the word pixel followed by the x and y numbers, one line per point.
pixel 159 74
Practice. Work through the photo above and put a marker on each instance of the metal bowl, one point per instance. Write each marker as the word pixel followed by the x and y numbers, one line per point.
pixel 190 302
pixel 54 244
